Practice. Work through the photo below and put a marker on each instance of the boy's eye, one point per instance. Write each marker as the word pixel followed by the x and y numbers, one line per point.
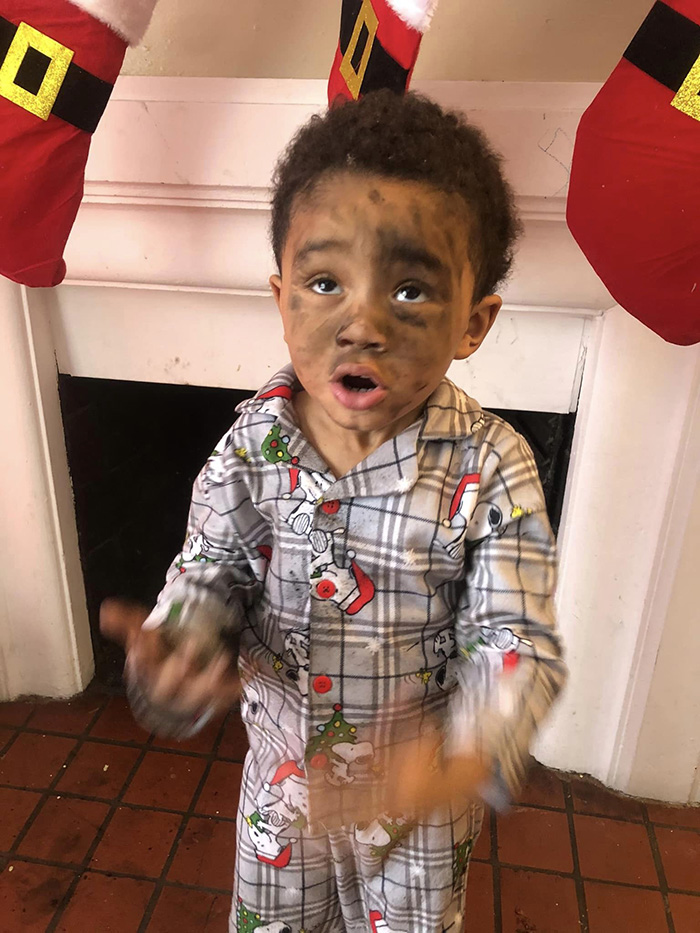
pixel 412 294
pixel 325 286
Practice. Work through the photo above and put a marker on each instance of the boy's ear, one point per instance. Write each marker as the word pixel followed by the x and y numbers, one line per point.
pixel 276 286
pixel 481 317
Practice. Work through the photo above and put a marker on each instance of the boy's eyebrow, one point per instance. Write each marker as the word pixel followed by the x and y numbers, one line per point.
pixel 398 249
pixel 394 250
pixel 319 246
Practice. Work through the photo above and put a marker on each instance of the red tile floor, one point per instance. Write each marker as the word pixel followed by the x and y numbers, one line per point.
pixel 104 828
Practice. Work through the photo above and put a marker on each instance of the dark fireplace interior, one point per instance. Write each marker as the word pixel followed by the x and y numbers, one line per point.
pixel 134 450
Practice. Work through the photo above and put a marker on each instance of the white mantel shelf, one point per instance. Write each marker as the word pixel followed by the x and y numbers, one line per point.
pixel 167 282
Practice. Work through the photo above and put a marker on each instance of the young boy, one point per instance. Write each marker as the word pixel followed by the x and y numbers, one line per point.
pixel 375 540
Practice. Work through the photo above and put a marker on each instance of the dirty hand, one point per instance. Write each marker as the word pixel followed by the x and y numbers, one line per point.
pixel 420 784
pixel 172 678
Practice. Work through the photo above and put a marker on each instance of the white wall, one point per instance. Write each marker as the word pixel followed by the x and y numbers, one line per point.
pixel 470 40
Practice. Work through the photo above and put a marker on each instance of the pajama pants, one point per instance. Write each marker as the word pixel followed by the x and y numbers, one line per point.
pixel 387 876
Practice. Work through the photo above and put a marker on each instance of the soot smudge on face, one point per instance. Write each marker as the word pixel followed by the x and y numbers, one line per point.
pixel 417 218
pixel 458 230
pixel 414 320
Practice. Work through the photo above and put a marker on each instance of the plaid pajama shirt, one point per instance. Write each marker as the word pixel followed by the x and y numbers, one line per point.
pixel 411 597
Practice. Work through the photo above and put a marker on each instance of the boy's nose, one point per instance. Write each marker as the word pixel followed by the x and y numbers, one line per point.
pixel 364 329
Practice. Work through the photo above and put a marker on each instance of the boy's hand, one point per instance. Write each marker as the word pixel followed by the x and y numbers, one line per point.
pixel 170 678
pixel 417 786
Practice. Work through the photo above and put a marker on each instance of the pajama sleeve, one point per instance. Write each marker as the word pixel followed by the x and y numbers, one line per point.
pixel 509 657
pixel 214 575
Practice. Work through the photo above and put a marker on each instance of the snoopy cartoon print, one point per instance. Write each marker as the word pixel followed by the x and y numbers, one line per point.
pixel 296 647
pixel 313 485
pixel 378 837
pixel 272 846
pixel 248 921
pixel 283 801
pixel 445 650
pixel 348 587
pixel 336 750
pixel 194 549
pixel 215 469
pixel 468 521
pixel 347 759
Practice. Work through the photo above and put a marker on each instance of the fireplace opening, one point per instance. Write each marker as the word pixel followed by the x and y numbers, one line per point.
pixel 134 450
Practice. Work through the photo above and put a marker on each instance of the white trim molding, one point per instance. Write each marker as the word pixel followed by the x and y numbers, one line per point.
pixel 623 521
pixel 45 645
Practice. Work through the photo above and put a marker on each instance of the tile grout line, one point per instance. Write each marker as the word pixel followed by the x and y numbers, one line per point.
pixel 111 873
pixel 660 871
pixel 113 806
pixel 9 742
pixel 496 867
pixel 578 880
pixel 186 817
pixel 70 795
pixel 72 866
pixel 240 761
pixel 148 743
pixel 46 792
pixel 18 728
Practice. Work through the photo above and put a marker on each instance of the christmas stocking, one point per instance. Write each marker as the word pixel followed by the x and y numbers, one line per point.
pixel 378 47
pixel 58 63
pixel 634 196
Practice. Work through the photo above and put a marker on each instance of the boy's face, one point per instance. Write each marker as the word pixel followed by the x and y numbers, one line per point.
pixel 376 296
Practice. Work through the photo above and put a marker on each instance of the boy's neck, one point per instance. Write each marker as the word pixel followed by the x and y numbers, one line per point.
pixel 342 448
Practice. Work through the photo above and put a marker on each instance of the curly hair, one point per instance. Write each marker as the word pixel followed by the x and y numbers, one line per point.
pixel 412 138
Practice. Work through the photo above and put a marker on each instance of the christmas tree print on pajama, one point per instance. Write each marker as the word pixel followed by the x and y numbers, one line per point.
pixel 460 861
pixel 274 447
pixel 246 921
pixel 336 750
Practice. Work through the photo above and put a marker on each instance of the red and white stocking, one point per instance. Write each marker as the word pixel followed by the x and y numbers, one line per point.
pixel 58 64
pixel 378 46
pixel 634 195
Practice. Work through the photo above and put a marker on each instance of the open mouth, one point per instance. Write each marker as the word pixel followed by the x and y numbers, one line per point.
pixel 357 387
pixel 358 383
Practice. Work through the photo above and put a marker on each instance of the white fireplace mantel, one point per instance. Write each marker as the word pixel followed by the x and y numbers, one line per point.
pixel 167 282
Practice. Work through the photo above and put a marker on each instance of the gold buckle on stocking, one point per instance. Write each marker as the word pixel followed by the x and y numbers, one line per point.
pixel 687 97
pixel 41 103
pixel 366 17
